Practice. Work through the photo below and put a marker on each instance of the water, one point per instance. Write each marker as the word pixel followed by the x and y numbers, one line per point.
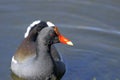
pixel 92 25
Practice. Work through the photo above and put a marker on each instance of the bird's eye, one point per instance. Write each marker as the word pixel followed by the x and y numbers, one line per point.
pixel 52 33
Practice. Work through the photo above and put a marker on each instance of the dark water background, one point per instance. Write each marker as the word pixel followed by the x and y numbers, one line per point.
pixel 92 25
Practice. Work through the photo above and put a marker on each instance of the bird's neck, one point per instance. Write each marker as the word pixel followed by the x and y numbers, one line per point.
pixel 43 49
pixel 44 56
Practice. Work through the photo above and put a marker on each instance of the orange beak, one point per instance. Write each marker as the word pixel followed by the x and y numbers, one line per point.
pixel 62 39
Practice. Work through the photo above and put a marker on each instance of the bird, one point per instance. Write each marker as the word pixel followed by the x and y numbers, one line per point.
pixel 37 58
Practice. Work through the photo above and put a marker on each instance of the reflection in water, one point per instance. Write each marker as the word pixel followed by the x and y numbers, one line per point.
pixel 15 77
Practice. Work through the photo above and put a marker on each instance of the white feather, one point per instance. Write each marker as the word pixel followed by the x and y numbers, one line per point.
pixel 50 24
pixel 13 60
pixel 29 27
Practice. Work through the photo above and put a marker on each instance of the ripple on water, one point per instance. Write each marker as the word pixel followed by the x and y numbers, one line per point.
pixel 95 54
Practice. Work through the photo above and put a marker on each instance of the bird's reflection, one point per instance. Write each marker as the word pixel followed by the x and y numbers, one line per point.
pixel 15 77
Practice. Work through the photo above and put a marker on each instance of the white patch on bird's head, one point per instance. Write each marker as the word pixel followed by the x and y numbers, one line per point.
pixel 50 24
pixel 29 27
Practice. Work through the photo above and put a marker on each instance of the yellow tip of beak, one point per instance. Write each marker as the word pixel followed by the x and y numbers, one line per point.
pixel 70 43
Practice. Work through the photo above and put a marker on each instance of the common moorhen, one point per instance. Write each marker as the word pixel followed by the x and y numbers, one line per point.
pixel 37 58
